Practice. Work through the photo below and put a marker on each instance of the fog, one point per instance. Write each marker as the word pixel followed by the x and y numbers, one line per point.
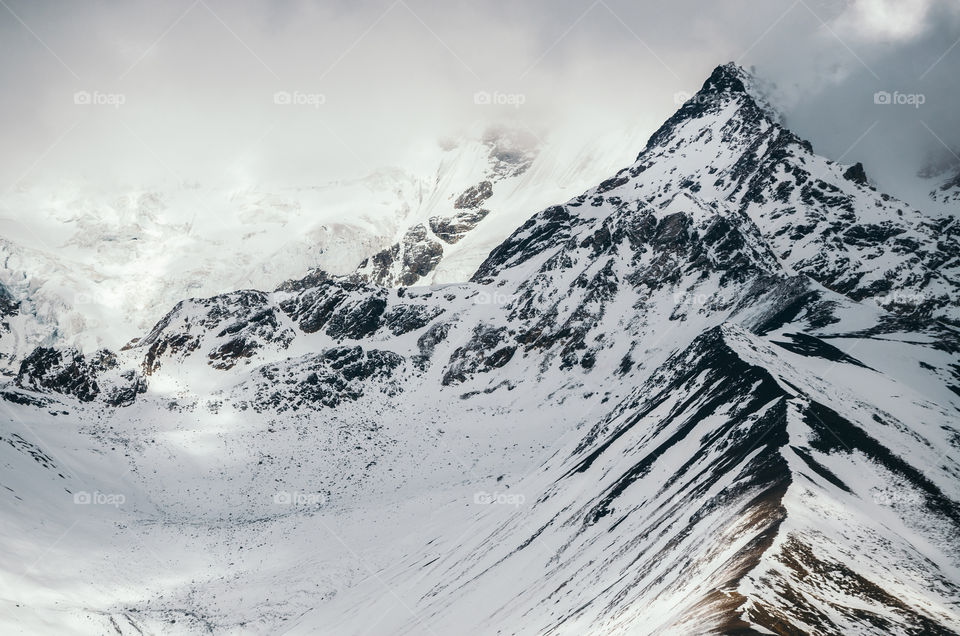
pixel 249 92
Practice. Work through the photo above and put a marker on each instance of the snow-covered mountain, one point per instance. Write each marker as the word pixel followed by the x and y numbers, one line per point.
pixel 94 268
pixel 943 178
pixel 716 393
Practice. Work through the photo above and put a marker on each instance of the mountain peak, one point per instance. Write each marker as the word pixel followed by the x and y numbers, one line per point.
pixel 728 78
pixel 732 80
pixel 728 84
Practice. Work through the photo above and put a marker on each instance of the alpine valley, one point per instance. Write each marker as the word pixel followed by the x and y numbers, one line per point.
pixel 716 393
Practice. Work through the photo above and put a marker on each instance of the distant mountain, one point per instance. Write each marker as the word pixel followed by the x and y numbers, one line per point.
pixel 944 177
pixel 96 268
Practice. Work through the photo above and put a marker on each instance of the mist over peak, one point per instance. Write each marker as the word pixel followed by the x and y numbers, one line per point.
pixel 251 92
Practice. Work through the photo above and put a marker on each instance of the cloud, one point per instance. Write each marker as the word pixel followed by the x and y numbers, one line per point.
pixel 885 20
pixel 186 91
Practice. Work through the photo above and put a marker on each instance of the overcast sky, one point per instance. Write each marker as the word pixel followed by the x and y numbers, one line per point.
pixel 186 89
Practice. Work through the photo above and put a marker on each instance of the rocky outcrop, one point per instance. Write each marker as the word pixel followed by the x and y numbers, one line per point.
pixel 243 322
pixel 473 198
pixel 69 372
pixel 403 263
pixel 314 382
pixel 453 228
pixel 59 371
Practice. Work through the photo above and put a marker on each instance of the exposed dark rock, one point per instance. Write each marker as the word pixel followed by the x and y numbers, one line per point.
pixel 473 198
pixel 433 336
pixel 856 173
pixel 126 394
pixel 488 349
pixel 357 319
pixel 453 228
pixel 8 305
pixel 64 371
pixel 404 263
pixel 248 318
pixel 551 227
pixel 317 381
pixel 401 319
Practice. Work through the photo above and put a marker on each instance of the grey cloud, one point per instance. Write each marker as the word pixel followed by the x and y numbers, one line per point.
pixel 198 79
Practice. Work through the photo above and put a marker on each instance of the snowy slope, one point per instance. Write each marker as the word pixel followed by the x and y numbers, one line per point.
pixel 97 268
pixel 678 403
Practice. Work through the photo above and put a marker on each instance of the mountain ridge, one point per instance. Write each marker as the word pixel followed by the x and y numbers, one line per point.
pixel 687 426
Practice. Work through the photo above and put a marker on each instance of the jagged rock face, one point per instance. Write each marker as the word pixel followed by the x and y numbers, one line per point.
pixel 721 456
pixel 8 305
pixel 474 197
pixel 420 255
pixel 341 309
pixel 857 174
pixel 451 229
pixel 412 259
pixel 314 382
pixel 948 191
pixel 65 372
pixel 68 372
pixel 819 218
pixel 404 263
pixel 730 414
pixel 484 352
pixel 242 323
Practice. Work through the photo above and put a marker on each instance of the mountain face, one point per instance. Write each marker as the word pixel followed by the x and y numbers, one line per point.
pixel 941 176
pixel 820 219
pixel 94 268
pixel 948 190
pixel 716 393
pixel 416 256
